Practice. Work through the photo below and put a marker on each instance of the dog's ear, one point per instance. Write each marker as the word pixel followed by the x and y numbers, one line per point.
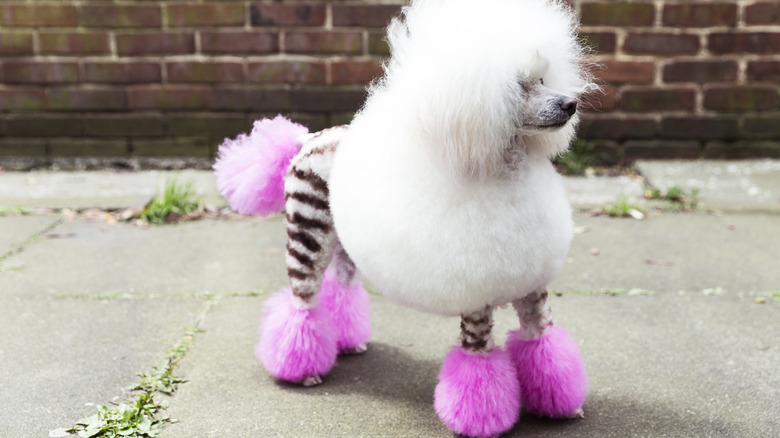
pixel 469 121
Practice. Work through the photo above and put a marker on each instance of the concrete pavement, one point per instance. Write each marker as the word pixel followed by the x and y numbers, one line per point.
pixel 677 315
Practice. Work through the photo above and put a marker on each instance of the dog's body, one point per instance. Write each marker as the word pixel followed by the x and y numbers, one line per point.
pixel 442 193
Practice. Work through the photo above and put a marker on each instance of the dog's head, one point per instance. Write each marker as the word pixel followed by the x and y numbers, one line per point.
pixel 475 78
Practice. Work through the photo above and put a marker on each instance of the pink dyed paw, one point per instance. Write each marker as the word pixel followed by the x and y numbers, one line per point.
pixel 297 345
pixel 551 373
pixel 350 311
pixel 478 393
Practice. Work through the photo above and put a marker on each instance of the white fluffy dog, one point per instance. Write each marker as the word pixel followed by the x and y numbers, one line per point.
pixel 442 193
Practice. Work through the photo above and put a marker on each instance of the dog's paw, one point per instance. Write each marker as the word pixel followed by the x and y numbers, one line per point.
pixel 357 349
pixel 312 380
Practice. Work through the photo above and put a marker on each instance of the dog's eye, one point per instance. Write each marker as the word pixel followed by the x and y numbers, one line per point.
pixel 541 81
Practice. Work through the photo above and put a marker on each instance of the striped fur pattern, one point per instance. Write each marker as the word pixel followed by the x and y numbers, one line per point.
pixel 476 331
pixel 535 315
pixel 312 239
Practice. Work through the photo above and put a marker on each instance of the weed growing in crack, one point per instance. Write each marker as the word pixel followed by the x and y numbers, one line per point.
pixel 623 207
pixel 173 202
pixel 677 198
pixel 139 418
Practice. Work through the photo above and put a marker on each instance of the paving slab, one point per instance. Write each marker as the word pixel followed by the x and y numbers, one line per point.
pixel 749 185
pixel 95 257
pixel 99 189
pixel 15 230
pixel 664 365
pixel 59 358
pixel 674 251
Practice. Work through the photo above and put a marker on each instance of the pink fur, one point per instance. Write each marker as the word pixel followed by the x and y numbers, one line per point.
pixel 551 373
pixel 250 170
pixel 295 343
pixel 478 394
pixel 349 309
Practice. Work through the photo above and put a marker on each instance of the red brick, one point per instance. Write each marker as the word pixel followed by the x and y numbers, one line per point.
pixel 22 98
pixel 168 97
pixel 327 99
pixel 324 42
pixel 765 126
pixel 44 126
pixel 661 43
pixel 287 72
pixel 700 15
pixel 172 147
pixel 763 71
pixel 38 15
pixel 346 72
pixel 86 98
pixel 763 13
pixel 239 42
pixel 277 14
pixel 204 72
pixel 110 72
pixel 655 99
pixel 741 150
pixel 155 43
pixel 252 98
pixel 616 128
pixel 101 125
pixel 660 149
pixel 700 71
pixel 87 147
pixel 16 44
pixel 377 44
pixel 617 14
pixel 600 42
pixel 120 16
pixel 364 15
pixel 699 127
pixel 39 72
pixel 745 98
pixel 599 101
pixel 622 72
pixel 69 43
pixel 22 147
pixel 205 14
pixel 751 42
pixel 218 125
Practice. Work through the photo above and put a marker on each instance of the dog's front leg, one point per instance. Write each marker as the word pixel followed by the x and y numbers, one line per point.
pixel 549 366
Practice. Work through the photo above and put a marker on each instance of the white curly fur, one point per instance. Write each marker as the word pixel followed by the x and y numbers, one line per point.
pixel 442 190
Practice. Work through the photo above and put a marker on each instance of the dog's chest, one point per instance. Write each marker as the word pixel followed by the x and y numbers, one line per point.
pixel 447 247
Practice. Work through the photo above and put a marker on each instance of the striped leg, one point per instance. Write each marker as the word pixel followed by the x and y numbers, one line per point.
pixel 549 366
pixel 478 392
pixel 298 338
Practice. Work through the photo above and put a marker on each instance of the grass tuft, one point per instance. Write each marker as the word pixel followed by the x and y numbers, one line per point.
pixel 623 207
pixel 173 202
pixel 676 197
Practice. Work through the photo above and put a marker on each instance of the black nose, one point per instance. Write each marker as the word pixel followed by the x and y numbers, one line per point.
pixel 569 106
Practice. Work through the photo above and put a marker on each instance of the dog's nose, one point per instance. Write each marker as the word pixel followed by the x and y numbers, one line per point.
pixel 569 106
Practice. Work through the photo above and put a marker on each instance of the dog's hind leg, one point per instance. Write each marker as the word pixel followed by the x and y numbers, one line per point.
pixel 549 366
pixel 298 338
pixel 342 293
pixel 478 393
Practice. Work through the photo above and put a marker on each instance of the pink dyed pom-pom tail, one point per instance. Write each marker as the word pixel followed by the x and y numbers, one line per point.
pixel 250 169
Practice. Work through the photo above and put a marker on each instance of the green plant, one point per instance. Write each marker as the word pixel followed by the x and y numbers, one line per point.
pixel 174 201
pixel 623 207
pixel 578 158
pixel 124 420
pixel 676 197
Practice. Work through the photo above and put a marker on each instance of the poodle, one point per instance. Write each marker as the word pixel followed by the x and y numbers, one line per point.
pixel 442 193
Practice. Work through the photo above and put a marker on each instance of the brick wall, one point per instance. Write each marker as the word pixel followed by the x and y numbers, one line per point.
pixel 132 79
